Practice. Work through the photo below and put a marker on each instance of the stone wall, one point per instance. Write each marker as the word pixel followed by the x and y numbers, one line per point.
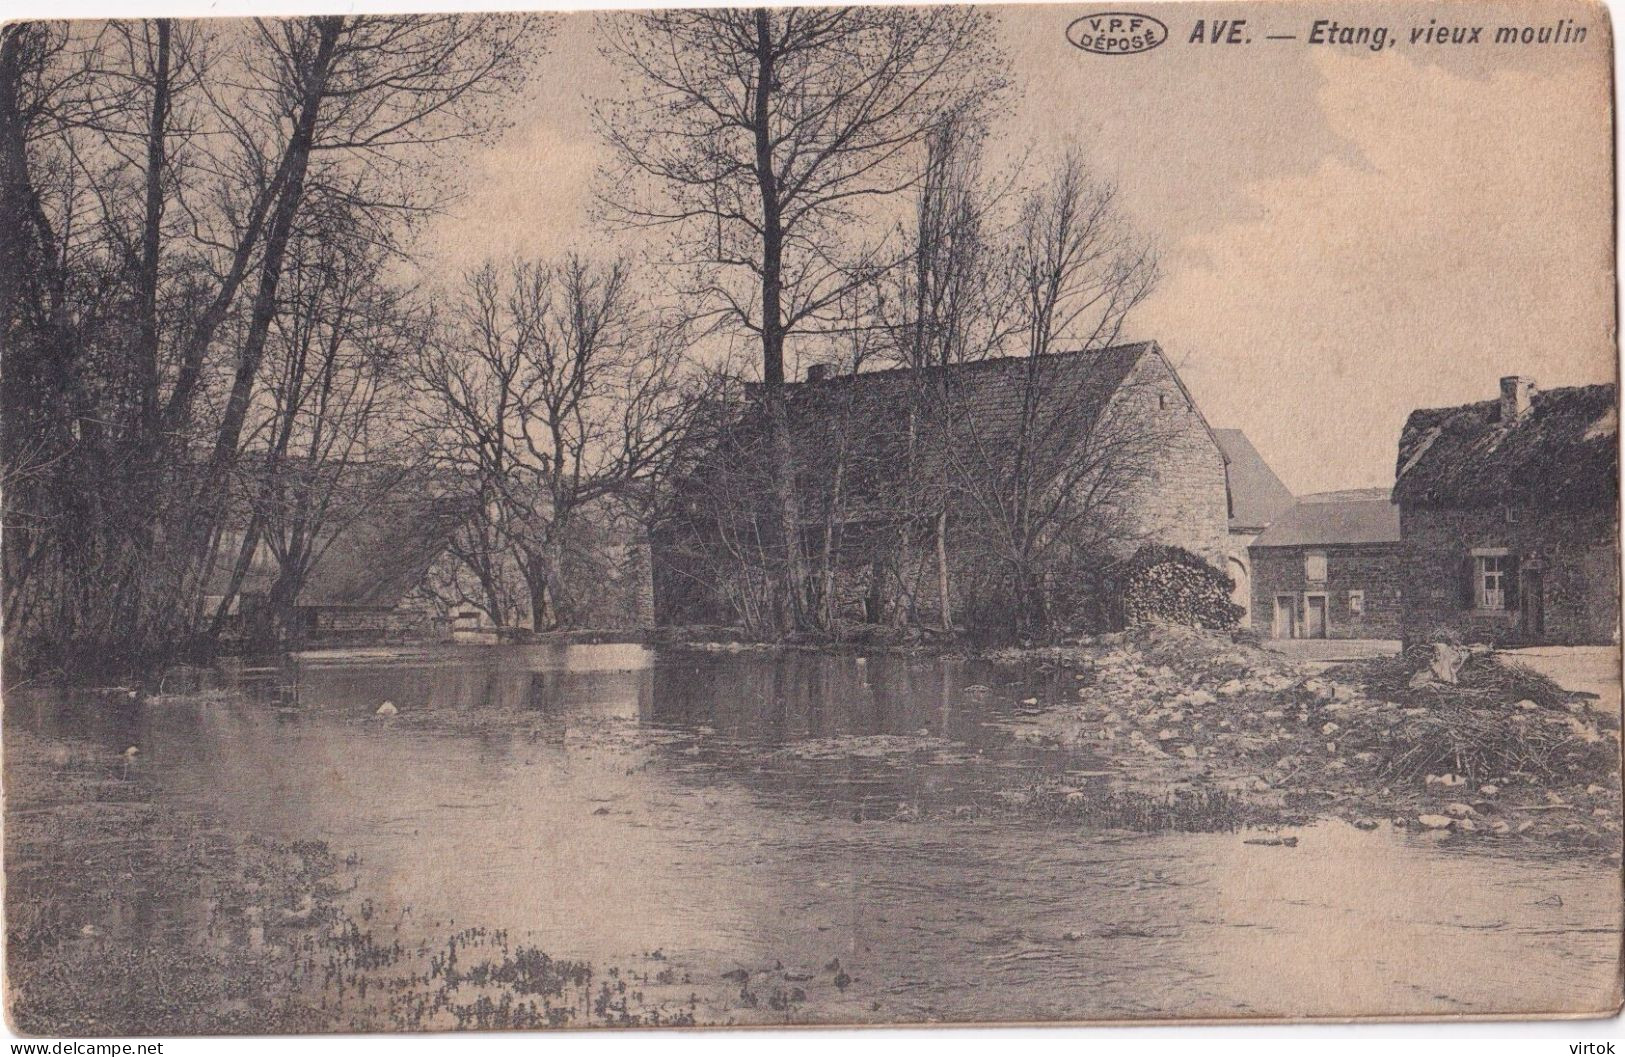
pixel 342 625
pixel 1574 549
pixel 1184 501
pixel 1375 570
pixel 1239 567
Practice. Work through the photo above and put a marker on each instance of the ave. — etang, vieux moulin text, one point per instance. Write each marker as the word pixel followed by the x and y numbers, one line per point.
pixel 1376 38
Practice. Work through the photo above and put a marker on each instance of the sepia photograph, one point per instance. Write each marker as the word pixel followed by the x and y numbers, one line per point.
pixel 809 516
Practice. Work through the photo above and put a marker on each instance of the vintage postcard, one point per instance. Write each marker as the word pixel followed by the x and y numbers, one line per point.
pixel 803 515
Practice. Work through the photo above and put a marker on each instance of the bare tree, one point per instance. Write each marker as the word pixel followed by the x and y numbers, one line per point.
pixel 323 451
pixel 948 304
pixel 160 173
pixel 352 92
pixel 765 138
pixel 1057 483
pixel 558 391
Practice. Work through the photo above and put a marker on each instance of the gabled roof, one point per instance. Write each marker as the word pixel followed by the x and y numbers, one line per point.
pixel 1257 496
pixel 377 559
pixel 1352 516
pixel 988 408
pixel 382 527
pixel 1563 451
pixel 989 390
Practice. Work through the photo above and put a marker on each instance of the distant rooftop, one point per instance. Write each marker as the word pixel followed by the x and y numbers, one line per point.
pixel 1257 496
pixel 1350 516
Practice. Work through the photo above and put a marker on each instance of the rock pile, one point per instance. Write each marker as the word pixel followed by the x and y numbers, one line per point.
pixel 1180 709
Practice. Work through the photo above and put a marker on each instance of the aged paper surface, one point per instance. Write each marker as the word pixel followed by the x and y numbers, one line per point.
pixel 810 516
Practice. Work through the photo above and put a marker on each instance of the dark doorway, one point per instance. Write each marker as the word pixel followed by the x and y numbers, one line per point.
pixel 1314 616
pixel 1532 602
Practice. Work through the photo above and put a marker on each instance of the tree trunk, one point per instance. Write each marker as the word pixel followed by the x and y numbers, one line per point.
pixel 211 495
pixel 536 587
pixel 151 230
pixel 874 604
pixel 831 550
pixel 782 448
pixel 943 596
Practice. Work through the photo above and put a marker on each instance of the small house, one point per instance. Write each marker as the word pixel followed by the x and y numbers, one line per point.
pixel 365 551
pixel 1509 512
pixel 1331 567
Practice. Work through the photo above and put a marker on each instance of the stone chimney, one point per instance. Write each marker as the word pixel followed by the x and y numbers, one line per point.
pixel 817 372
pixel 1516 393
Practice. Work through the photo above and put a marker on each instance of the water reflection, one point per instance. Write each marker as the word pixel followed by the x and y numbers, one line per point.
pixel 740 810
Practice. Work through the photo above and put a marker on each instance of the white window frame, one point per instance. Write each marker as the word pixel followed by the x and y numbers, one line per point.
pixel 1489 579
pixel 1309 558
pixel 1357 603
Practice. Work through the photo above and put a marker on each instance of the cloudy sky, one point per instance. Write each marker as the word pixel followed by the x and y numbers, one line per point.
pixel 1345 235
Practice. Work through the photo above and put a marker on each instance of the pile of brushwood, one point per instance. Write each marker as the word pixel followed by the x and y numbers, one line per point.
pixel 1170 585
pixel 1499 718
pixel 1501 752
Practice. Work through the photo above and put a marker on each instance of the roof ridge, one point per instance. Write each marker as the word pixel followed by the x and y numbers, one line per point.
pixel 989 361
pixel 1496 402
pixel 1362 494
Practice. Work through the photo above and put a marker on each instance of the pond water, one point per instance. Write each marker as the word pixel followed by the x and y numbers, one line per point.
pixel 751 810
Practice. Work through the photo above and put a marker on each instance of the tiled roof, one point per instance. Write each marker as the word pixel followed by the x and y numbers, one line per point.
pixel 378 559
pixel 865 416
pixel 1257 496
pixel 1353 516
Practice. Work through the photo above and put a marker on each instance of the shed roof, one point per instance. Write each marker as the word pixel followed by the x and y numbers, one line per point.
pixel 1563 451
pixel 1257 496
pixel 1352 516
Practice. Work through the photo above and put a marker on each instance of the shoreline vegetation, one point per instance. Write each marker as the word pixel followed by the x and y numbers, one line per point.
pixel 128 918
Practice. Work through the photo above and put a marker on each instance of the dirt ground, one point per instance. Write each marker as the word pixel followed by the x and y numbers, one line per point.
pixel 1589 669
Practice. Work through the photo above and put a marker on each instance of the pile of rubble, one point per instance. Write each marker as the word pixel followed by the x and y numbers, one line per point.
pixel 1499 751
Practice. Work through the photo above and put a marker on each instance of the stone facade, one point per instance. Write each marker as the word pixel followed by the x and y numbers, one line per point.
pixel 1239 567
pixel 1509 512
pixel 1375 571
pixel 1567 566
pixel 1183 501
pixel 1121 410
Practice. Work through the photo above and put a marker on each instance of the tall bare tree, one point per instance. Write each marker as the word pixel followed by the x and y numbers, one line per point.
pixel 163 171
pixel 323 450
pixel 765 138
pixel 559 391
pixel 1059 482
pixel 947 305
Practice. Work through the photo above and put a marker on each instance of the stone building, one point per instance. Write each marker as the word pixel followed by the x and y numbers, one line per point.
pixel 1256 498
pixel 892 463
pixel 1330 567
pixel 1509 512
